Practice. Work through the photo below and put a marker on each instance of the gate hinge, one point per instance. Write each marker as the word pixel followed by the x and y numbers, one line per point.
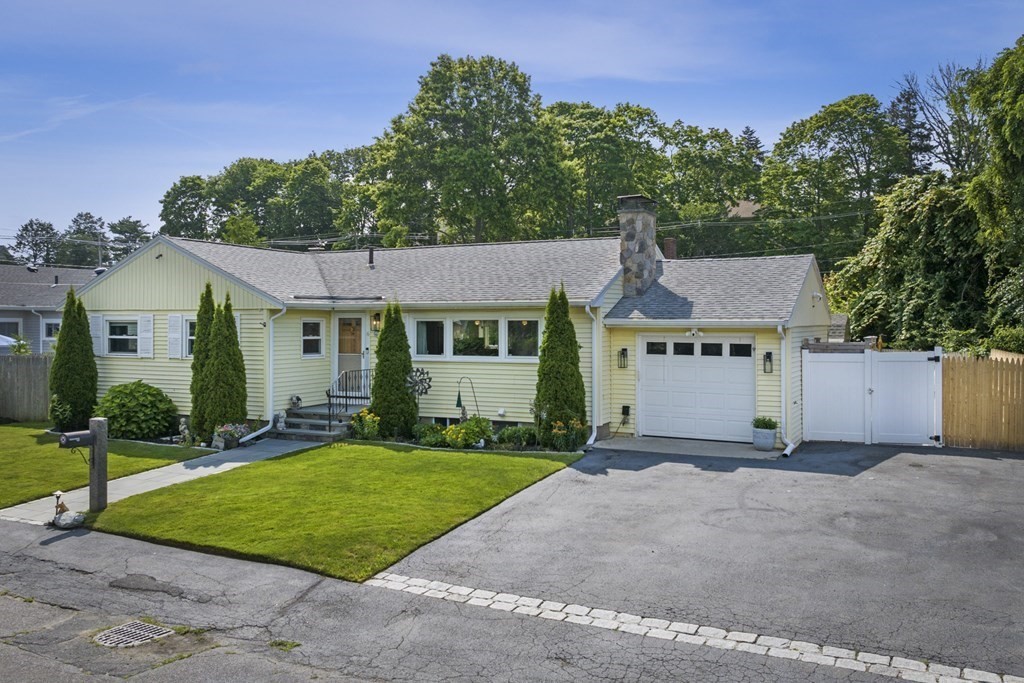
pixel 935 359
pixel 935 437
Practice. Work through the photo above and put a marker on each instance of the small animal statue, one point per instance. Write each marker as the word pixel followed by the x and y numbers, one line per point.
pixel 296 401
pixel 186 436
pixel 279 419
pixel 59 508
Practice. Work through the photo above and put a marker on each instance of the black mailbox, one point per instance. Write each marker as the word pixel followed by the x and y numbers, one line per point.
pixel 76 439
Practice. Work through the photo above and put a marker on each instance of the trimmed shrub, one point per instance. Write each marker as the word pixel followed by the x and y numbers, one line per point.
pixel 568 436
pixel 137 411
pixel 365 425
pixel 390 396
pixel 202 428
pixel 430 434
pixel 73 376
pixel 1008 339
pixel 518 437
pixel 470 432
pixel 223 384
pixel 561 396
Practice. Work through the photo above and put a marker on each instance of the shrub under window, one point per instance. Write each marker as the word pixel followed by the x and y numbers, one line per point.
pixel 137 411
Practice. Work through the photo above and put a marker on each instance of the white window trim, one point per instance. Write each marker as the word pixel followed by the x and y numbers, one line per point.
pixel 303 338
pixel 115 320
pixel 18 321
pixel 49 321
pixel 449 339
pixel 185 320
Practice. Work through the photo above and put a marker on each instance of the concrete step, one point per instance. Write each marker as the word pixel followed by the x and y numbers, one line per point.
pixel 308 435
pixel 316 422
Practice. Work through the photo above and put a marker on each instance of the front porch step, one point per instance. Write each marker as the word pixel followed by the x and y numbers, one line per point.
pixel 316 422
pixel 318 435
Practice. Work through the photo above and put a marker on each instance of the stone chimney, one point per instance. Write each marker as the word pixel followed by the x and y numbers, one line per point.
pixel 638 252
pixel 670 249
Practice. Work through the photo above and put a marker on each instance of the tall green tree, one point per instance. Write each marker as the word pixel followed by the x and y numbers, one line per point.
pixel 561 395
pixel 471 160
pixel 84 243
pixel 904 113
pixel 224 391
pixel 922 276
pixel 36 242
pixel 241 229
pixel 199 421
pixel 73 375
pixel 128 235
pixel 391 398
pixel 997 194
pixel 186 209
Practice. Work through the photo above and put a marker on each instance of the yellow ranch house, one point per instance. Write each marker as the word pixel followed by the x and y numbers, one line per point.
pixel 689 348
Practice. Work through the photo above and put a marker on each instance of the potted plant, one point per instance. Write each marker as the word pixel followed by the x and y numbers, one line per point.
pixel 764 433
pixel 227 436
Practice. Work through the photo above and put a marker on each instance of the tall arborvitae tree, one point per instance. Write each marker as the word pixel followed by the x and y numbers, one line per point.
pixel 223 402
pixel 561 395
pixel 73 376
pixel 201 428
pixel 391 398
pixel 235 366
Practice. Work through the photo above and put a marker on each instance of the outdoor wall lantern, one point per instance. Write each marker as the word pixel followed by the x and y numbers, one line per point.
pixel 623 357
pixel 767 362
pixel 375 323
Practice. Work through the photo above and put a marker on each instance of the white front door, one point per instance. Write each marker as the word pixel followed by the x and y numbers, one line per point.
pixel 696 387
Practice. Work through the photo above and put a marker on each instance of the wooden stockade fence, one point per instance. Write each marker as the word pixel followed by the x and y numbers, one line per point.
pixel 24 387
pixel 983 402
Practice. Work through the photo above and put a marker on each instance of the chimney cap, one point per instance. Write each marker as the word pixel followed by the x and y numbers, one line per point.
pixel 636 202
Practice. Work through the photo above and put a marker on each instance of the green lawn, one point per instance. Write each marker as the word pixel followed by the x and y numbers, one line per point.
pixel 346 510
pixel 31 465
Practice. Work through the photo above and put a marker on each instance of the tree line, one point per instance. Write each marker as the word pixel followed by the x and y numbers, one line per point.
pixel 87 241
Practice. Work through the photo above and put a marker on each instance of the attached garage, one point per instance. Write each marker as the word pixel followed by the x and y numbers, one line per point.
pixel 696 387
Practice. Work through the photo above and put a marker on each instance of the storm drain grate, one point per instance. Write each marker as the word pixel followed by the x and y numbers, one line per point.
pixel 131 634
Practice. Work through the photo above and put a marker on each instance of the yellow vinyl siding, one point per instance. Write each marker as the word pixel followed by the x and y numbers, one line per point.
pixel 295 375
pixel 172 282
pixel 500 383
pixel 610 410
pixel 174 375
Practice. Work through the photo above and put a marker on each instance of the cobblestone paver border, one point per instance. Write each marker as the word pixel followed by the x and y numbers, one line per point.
pixel 904 668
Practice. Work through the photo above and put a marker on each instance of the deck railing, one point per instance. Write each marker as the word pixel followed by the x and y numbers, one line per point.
pixel 351 386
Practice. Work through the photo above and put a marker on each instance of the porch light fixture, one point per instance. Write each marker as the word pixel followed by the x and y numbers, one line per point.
pixel 375 323
pixel 623 357
pixel 767 362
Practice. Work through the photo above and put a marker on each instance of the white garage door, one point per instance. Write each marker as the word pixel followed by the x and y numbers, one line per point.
pixel 697 387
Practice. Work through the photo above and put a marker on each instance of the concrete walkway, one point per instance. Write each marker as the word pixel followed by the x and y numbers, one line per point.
pixel 41 511
pixel 666 446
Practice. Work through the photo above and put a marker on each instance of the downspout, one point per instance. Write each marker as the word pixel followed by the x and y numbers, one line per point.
pixel 270 379
pixel 595 357
pixel 790 446
pixel 42 332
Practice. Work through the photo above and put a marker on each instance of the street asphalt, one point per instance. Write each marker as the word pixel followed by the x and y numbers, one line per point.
pixel 909 552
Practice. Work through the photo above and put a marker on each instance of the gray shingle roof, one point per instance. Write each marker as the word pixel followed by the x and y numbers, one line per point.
pixel 20 288
pixel 513 271
pixel 756 289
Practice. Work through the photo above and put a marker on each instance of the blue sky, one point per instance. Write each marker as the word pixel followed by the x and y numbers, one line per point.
pixel 104 104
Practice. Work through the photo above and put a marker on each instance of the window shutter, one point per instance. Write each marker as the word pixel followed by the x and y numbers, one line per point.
pixel 96 332
pixel 145 336
pixel 174 336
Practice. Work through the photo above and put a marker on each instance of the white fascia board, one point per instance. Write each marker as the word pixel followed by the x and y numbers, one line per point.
pixel 300 304
pixel 655 324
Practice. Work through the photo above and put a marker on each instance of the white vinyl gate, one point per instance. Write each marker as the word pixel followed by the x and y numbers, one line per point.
pixel 892 397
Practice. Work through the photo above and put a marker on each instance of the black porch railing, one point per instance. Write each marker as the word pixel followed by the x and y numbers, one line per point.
pixel 351 386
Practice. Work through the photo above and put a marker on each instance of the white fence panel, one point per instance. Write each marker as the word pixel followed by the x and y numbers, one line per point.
pixel 892 397
pixel 834 392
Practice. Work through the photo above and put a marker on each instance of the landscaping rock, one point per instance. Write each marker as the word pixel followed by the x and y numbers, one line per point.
pixel 69 520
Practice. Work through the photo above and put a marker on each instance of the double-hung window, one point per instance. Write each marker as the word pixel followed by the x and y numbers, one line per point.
pixel 190 337
pixel 10 328
pixel 312 338
pixel 123 337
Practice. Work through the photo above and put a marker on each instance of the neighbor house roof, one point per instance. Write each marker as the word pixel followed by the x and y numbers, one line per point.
pixel 22 289
pixel 762 289
pixel 465 273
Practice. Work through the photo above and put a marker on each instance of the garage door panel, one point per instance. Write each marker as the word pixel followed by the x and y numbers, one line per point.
pixel 698 396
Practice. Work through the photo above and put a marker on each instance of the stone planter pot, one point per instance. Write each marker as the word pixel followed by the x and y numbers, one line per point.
pixel 764 439
pixel 230 442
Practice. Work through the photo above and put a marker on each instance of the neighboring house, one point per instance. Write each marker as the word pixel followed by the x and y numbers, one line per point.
pixel 681 344
pixel 30 301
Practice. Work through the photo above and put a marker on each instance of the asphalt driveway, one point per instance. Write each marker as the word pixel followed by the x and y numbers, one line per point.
pixel 906 552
